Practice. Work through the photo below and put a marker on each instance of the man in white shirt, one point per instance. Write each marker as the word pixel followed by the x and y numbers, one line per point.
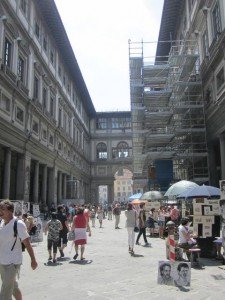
pixel 11 251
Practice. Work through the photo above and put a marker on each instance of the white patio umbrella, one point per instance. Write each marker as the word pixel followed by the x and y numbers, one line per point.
pixel 178 188
pixel 200 191
pixel 152 195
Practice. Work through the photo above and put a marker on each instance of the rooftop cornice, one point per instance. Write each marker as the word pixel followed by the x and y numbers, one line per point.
pixel 52 18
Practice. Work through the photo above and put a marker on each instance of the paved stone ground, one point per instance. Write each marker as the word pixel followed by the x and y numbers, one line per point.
pixel 109 272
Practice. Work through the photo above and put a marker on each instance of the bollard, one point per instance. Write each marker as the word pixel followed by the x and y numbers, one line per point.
pixel 172 247
pixel 171 231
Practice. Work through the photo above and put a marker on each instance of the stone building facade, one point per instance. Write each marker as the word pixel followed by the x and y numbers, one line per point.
pixel 47 117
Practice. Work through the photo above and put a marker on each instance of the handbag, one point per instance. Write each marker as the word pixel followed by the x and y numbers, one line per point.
pixel 136 229
pixel 71 235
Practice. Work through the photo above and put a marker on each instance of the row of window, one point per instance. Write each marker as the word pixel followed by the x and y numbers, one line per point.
pixel 47 98
pixel 121 123
pixel 216 28
pixel 124 188
pixel 5 105
pixel 22 61
pixel 121 151
pixel 124 182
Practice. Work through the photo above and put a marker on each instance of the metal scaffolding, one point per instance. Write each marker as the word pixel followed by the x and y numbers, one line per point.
pixel 167 110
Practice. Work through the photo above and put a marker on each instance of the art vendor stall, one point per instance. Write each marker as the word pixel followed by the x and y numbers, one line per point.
pixel 204 215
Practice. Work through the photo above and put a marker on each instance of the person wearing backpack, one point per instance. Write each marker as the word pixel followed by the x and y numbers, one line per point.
pixel 11 250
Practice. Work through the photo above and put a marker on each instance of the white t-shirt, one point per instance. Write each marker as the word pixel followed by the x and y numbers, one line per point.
pixel 182 229
pixel 7 240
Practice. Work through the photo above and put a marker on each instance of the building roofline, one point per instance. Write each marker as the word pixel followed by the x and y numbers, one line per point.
pixel 52 18
pixel 167 32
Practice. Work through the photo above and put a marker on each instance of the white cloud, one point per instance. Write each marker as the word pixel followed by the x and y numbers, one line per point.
pixel 99 31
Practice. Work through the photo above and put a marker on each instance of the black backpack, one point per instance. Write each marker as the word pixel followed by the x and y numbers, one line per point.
pixel 15 235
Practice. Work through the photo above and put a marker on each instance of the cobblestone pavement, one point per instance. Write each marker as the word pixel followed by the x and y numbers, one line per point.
pixel 109 272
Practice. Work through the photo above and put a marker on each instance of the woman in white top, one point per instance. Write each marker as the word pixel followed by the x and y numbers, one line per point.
pixel 186 240
pixel 100 214
pixel 130 214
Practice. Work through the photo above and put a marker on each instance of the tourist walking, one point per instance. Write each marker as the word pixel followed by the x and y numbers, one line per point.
pixel 131 219
pixel 11 251
pixel 53 228
pixel 100 215
pixel 65 229
pixel 117 212
pixel 142 224
pixel 93 217
pixel 110 212
pixel 80 226
pixel 151 222
pixel 161 221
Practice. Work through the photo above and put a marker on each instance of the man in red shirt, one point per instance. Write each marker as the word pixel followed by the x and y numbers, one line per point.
pixel 174 214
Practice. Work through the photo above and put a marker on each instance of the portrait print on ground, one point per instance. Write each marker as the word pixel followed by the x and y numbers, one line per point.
pixel 222 189
pixel 174 273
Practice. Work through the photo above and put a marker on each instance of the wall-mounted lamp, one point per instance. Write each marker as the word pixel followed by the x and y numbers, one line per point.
pixel 18 39
pixel 3 18
pixel 205 10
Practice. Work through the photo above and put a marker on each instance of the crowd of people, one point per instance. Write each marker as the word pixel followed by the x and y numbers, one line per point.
pixel 81 219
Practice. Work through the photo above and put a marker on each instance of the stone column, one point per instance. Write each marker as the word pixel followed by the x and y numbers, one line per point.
pixel 27 161
pixel 59 186
pixel 20 178
pixel 64 185
pixel 36 182
pixel 77 188
pixel 222 156
pixel 44 185
pixel 110 193
pixel 50 196
pixel 6 178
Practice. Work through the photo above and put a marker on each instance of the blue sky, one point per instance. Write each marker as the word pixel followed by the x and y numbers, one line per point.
pixel 99 31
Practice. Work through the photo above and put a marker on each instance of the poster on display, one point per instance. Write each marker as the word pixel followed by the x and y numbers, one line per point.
pixel 174 273
pixel 36 210
pixel 197 210
pixel 222 189
pixel 20 207
pixel 222 210
pixel 38 237
pixel 205 219
pixel 206 231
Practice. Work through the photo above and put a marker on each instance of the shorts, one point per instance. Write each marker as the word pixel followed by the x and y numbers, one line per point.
pixel 53 244
pixel 150 223
pixel 9 282
pixel 161 223
pixel 62 238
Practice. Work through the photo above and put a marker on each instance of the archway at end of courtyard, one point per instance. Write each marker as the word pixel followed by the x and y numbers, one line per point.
pixel 123 186
pixel 103 194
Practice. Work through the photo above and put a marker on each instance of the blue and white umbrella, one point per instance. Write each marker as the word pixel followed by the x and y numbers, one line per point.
pixel 135 196
pixel 152 195
pixel 178 188
pixel 206 191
